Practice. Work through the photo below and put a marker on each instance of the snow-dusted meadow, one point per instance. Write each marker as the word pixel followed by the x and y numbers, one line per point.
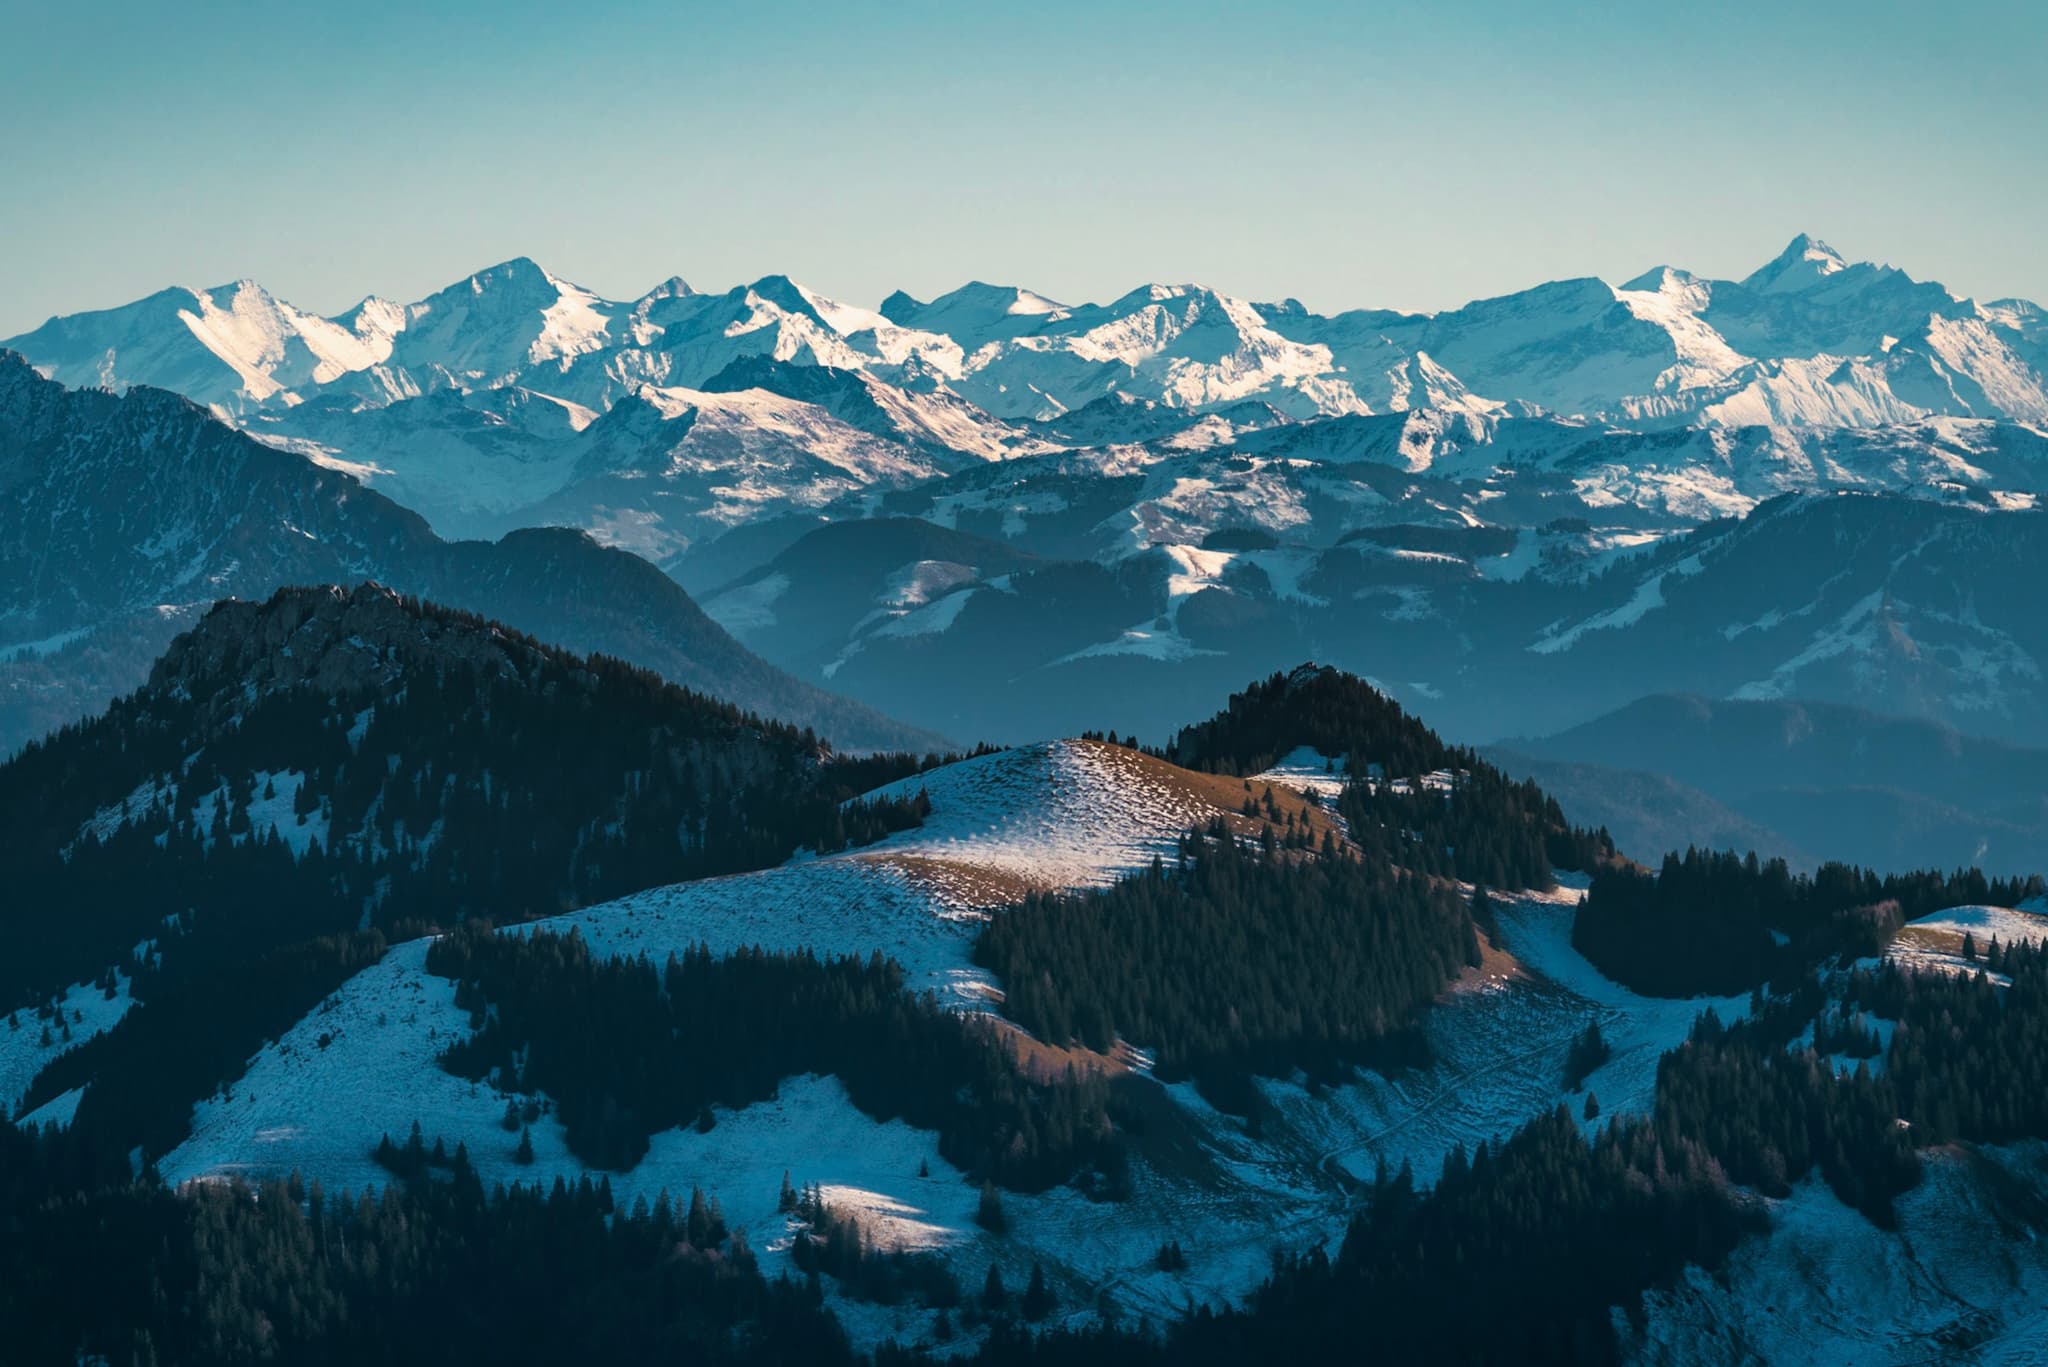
pixel 365 1063
pixel 1064 814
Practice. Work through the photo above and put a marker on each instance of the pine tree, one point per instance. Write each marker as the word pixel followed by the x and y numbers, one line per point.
pixel 990 1215
pixel 1038 1298
pixel 1589 1050
pixel 739 1252
pixel 993 1296
pixel 785 1200
pixel 524 1153
pixel 1483 915
pixel 697 1224
pixel 1592 1105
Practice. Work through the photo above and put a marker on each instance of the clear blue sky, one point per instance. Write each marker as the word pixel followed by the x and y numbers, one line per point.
pixel 1406 154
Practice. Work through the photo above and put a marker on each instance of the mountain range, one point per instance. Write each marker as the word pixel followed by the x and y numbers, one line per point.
pixel 514 397
pixel 1807 337
pixel 1011 517
pixel 127 516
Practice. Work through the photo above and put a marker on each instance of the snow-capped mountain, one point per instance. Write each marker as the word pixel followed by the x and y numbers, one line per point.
pixel 231 347
pixel 658 471
pixel 1806 338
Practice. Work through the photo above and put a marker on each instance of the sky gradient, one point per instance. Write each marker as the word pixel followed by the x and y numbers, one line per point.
pixel 1410 155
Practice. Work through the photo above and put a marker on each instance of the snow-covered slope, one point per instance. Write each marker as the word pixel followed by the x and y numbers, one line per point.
pixel 666 467
pixel 1963 1278
pixel 933 419
pixel 233 347
pixel 1062 814
pixel 30 1038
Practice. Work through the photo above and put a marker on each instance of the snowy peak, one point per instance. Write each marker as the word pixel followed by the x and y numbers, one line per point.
pixel 1805 261
pixel 1662 280
pixel 975 314
pixel 786 294
pixel 226 347
pixel 675 287
pixel 485 329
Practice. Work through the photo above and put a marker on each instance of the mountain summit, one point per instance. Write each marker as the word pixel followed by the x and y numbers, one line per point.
pixel 1805 260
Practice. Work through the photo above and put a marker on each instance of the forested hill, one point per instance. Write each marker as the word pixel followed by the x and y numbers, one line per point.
pixel 1336 714
pixel 388 762
pixel 1409 797
pixel 302 778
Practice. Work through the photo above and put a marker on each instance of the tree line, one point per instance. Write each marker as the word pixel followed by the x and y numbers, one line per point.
pixel 102 1267
pixel 1721 923
pixel 625 1050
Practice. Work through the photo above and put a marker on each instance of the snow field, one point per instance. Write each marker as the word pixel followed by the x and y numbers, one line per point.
pixel 1935 942
pixel 1828 1287
pixel 23 1054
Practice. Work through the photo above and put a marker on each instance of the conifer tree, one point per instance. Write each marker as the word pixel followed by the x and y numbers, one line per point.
pixel 697 1224
pixel 1039 1300
pixel 990 1215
